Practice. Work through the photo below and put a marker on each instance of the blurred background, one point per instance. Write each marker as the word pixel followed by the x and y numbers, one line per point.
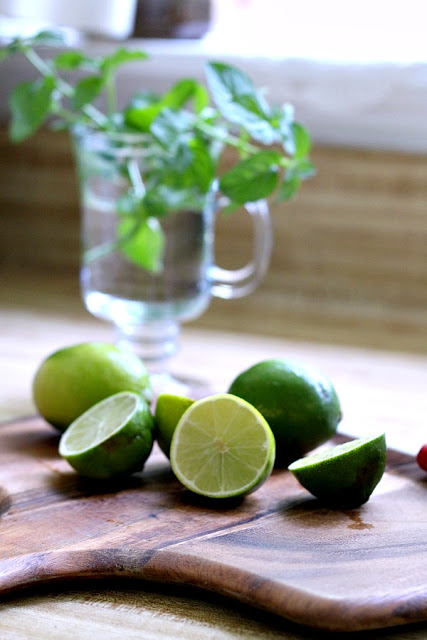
pixel 350 257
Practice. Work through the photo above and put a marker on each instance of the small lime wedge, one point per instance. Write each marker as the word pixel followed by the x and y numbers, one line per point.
pixel 168 412
pixel 343 476
pixel 114 437
pixel 222 447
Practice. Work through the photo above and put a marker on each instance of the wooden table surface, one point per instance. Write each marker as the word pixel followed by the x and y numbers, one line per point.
pixel 378 389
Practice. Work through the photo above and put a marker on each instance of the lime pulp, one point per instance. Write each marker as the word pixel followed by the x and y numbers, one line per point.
pixel 114 437
pixel 222 447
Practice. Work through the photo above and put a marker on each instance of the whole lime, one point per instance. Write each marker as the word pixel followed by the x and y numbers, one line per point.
pixel 299 403
pixel 73 379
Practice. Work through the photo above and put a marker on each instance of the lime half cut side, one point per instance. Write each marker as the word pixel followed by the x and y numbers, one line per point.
pixel 222 447
pixel 343 476
pixel 114 437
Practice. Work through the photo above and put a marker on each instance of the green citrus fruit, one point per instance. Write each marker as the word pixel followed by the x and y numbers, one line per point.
pixel 299 403
pixel 222 447
pixel 112 438
pixel 71 380
pixel 343 476
pixel 168 412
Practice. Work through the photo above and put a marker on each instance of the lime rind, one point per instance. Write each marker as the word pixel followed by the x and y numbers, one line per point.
pixel 99 423
pixel 168 411
pixel 213 456
pixel 343 476
pixel 113 438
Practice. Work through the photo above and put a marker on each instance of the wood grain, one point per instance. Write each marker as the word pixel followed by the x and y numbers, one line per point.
pixel 41 311
pixel 278 549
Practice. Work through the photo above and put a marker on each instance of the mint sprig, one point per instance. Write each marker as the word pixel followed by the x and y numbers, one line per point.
pixel 187 129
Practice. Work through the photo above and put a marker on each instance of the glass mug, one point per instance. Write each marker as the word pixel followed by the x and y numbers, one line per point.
pixel 146 308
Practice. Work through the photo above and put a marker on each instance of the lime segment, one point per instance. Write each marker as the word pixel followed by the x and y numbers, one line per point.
pixel 222 447
pixel 114 437
pixel 343 476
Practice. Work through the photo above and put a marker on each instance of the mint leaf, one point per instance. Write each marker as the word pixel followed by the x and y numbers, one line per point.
pixel 299 169
pixel 142 112
pixel 142 244
pixel 201 172
pixel 184 137
pixel 16 46
pixel 304 169
pixel 121 56
pixel 230 86
pixel 183 91
pixel 73 60
pixel 185 165
pixel 200 98
pixel 49 38
pixel 86 90
pixel 169 126
pixel 289 187
pixel 141 118
pixel 30 104
pixel 299 144
pixel 284 118
pixel 239 101
pixel 252 179
pixel 257 123
pixel 130 205
pixel 163 199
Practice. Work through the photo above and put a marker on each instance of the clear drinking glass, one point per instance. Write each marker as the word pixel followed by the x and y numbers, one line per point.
pixel 146 308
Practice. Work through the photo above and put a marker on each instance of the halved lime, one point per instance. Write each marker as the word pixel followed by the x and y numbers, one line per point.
pixel 168 412
pixel 343 476
pixel 114 437
pixel 222 447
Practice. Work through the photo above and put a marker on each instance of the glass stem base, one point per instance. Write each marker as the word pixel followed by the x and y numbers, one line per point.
pixel 156 346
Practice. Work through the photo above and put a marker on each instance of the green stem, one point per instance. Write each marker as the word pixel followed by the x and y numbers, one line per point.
pixel 227 138
pixel 100 251
pixel 68 117
pixel 234 141
pixel 64 88
pixel 111 95
pixel 136 178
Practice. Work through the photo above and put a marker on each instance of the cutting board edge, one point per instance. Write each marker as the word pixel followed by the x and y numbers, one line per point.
pixel 156 564
pixel 164 566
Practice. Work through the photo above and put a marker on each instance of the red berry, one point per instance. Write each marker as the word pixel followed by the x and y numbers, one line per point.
pixel 422 457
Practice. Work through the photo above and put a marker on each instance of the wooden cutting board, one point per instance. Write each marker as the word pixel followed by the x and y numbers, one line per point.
pixel 278 549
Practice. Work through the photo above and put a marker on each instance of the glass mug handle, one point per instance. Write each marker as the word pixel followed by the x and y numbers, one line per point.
pixel 236 283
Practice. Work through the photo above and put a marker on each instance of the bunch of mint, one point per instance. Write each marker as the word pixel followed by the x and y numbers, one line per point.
pixel 188 129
